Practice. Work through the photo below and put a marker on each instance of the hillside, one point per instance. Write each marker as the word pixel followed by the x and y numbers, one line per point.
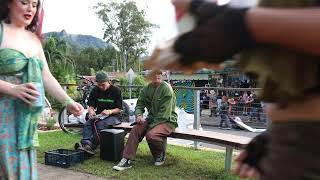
pixel 78 41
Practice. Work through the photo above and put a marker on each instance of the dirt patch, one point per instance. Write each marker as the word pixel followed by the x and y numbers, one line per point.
pixel 44 127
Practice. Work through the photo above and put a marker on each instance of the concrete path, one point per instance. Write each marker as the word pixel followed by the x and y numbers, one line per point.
pixel 56 173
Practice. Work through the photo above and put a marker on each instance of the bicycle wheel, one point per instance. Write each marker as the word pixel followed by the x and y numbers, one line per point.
pixel 67 125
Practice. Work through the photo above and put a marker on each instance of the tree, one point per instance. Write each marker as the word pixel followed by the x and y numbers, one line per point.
pixel 127 29
pixel 97 59
pixel 138 80
pixel 59 61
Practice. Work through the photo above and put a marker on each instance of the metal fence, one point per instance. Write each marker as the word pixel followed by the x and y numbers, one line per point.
pixel 208 103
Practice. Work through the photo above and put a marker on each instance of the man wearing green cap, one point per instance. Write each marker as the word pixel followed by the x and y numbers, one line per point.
pixel 105 104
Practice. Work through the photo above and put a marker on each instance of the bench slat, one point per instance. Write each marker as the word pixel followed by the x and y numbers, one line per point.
pixel 206 136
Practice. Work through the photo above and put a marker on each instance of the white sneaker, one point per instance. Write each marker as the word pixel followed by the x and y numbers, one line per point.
pixel 123 165
pixel 160 160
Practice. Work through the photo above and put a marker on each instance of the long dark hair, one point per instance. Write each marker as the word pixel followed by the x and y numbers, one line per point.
pixel 4 15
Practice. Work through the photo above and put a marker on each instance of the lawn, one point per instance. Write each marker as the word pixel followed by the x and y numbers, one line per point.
pixel 181 163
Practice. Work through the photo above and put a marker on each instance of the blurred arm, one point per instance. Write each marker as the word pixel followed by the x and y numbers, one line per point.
pixel 292 28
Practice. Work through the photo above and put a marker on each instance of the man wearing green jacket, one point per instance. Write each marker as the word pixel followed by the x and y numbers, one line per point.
pixel 159 99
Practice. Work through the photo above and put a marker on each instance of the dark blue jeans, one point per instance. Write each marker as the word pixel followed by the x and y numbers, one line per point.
pixel 92 128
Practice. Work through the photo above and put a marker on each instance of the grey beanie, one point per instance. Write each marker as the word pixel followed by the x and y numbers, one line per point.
pixel 101 77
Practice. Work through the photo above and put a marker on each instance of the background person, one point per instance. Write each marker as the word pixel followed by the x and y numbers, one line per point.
pixel 224 114
pixel 212 102
pixel 104 99
pixel 160 100
pixel 24 74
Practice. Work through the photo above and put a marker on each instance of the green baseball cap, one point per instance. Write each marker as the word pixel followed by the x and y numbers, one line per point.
pixel 101 77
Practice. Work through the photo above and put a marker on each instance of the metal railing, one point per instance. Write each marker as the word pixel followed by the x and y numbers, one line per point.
pixel 207 109
pixel 250 109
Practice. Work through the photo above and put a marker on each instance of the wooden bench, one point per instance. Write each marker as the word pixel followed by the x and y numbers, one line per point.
pixel 227 140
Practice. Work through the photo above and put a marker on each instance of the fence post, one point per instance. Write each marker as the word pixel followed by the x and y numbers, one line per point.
pixel 196 123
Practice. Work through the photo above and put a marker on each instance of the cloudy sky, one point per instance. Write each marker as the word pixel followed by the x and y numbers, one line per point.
pixel 77 17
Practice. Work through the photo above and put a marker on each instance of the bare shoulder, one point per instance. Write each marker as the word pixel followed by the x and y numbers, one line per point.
pixel 34 38
pixel 38 44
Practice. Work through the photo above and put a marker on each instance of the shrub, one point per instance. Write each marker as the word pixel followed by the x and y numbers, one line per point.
pixel 50 123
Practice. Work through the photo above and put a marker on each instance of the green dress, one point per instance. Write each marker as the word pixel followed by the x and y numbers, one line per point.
pixel 18 121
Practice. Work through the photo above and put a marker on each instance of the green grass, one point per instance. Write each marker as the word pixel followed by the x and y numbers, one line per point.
pixel 181 162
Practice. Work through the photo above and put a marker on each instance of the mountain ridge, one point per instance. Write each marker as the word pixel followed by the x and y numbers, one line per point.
pixel 80 41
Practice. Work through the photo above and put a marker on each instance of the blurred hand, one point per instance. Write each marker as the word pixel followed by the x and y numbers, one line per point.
pixel 91 113
pixel 244 170
pixel 164 57
pixel 217 39
pixel 220 34
pixel 75 108
pixel 106 112
pixel 26 92
pixel 248 161
pixel 140 120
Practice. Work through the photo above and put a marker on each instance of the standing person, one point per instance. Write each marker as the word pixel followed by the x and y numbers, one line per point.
pixel 272 34
pixel 212 102
pixel 246 106
pixel 255 108
pixel 160 100
pixel 224 114
pixel 219 101
pixel 24 74
pixel 248 103
pixel 105 100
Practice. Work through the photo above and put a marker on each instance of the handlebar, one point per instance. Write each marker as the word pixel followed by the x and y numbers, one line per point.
pixel 115 81
pixel 82 77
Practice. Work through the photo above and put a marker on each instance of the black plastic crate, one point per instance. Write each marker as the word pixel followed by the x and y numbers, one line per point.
pixel 63 157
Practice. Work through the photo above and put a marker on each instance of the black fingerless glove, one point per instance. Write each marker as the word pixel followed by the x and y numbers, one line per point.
pixel 203 10
pixel 217 39
pixel 256 150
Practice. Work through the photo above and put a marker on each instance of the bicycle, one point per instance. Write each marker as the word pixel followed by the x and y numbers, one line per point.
pixel 74 125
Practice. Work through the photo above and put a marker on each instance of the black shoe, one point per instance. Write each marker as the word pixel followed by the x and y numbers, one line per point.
pixel 87 148
pixel 160 159
pixel 123 165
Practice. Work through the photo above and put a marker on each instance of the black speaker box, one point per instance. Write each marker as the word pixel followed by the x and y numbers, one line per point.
pixel 112 144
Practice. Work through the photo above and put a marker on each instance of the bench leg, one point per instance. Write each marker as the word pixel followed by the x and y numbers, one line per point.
pixel 196 144
pixel 228 159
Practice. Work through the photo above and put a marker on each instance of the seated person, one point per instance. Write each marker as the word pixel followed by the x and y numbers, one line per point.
pixel 160 100
pixel 105 100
